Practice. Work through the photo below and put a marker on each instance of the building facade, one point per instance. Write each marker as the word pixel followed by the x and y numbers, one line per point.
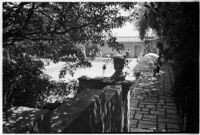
pixel 134 45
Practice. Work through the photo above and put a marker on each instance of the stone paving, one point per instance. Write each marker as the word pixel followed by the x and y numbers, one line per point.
pixel 152 106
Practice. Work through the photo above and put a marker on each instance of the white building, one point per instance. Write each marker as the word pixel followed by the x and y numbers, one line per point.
pixel 132 43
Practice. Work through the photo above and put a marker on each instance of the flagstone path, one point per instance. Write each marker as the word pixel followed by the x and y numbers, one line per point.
pixel 152 106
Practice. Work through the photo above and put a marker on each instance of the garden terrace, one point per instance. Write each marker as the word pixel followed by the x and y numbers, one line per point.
pixel 92 110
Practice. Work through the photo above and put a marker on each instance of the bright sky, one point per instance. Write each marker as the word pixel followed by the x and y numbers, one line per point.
pixel 127 30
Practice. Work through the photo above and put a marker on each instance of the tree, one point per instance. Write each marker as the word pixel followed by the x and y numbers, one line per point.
pixel 35 30
pixel 178 24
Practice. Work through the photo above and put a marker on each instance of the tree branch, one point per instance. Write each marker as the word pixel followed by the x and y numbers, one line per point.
pixel 72 28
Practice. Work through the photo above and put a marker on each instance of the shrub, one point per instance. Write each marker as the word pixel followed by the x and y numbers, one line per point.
pixel 58 93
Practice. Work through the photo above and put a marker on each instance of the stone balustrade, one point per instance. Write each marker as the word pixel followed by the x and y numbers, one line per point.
pixel 100 106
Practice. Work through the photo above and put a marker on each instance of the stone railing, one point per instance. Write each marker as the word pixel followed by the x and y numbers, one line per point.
pixel 123 96
pixel 100 106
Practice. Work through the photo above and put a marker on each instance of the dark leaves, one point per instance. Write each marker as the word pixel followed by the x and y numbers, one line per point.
pixel 114 44
pixel 50 30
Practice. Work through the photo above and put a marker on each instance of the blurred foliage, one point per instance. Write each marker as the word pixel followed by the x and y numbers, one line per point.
pixel 51 30
pixel 177 23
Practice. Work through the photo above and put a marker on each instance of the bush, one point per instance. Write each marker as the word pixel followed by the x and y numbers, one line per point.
pixel 57 93
pixel 24 84
pixel 20 77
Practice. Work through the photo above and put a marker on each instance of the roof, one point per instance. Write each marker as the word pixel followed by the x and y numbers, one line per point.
pixel 129 39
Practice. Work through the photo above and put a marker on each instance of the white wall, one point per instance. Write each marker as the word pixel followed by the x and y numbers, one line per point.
pixel 127 45
pixel 105 50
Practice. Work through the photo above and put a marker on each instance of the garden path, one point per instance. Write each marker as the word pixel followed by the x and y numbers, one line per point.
pixel 152 105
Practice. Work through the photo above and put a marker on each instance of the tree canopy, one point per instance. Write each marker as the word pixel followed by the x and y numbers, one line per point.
pixel 52 30
pixel 176 22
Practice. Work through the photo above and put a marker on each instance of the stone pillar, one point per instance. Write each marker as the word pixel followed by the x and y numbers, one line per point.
pixel 100 83
pixel 125 104
pixel 94 83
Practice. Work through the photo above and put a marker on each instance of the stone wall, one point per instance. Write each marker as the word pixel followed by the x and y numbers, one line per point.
pixel 101 106
pixel 98 83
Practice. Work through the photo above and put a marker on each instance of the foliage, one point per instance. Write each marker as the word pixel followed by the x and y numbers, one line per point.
pixel 178 25
pixel 15 87
pixel 57 92
pixel 50 30
pixel 31 85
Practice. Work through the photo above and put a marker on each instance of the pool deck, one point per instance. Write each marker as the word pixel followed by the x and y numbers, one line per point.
pixel 152 106
pixel 53 69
